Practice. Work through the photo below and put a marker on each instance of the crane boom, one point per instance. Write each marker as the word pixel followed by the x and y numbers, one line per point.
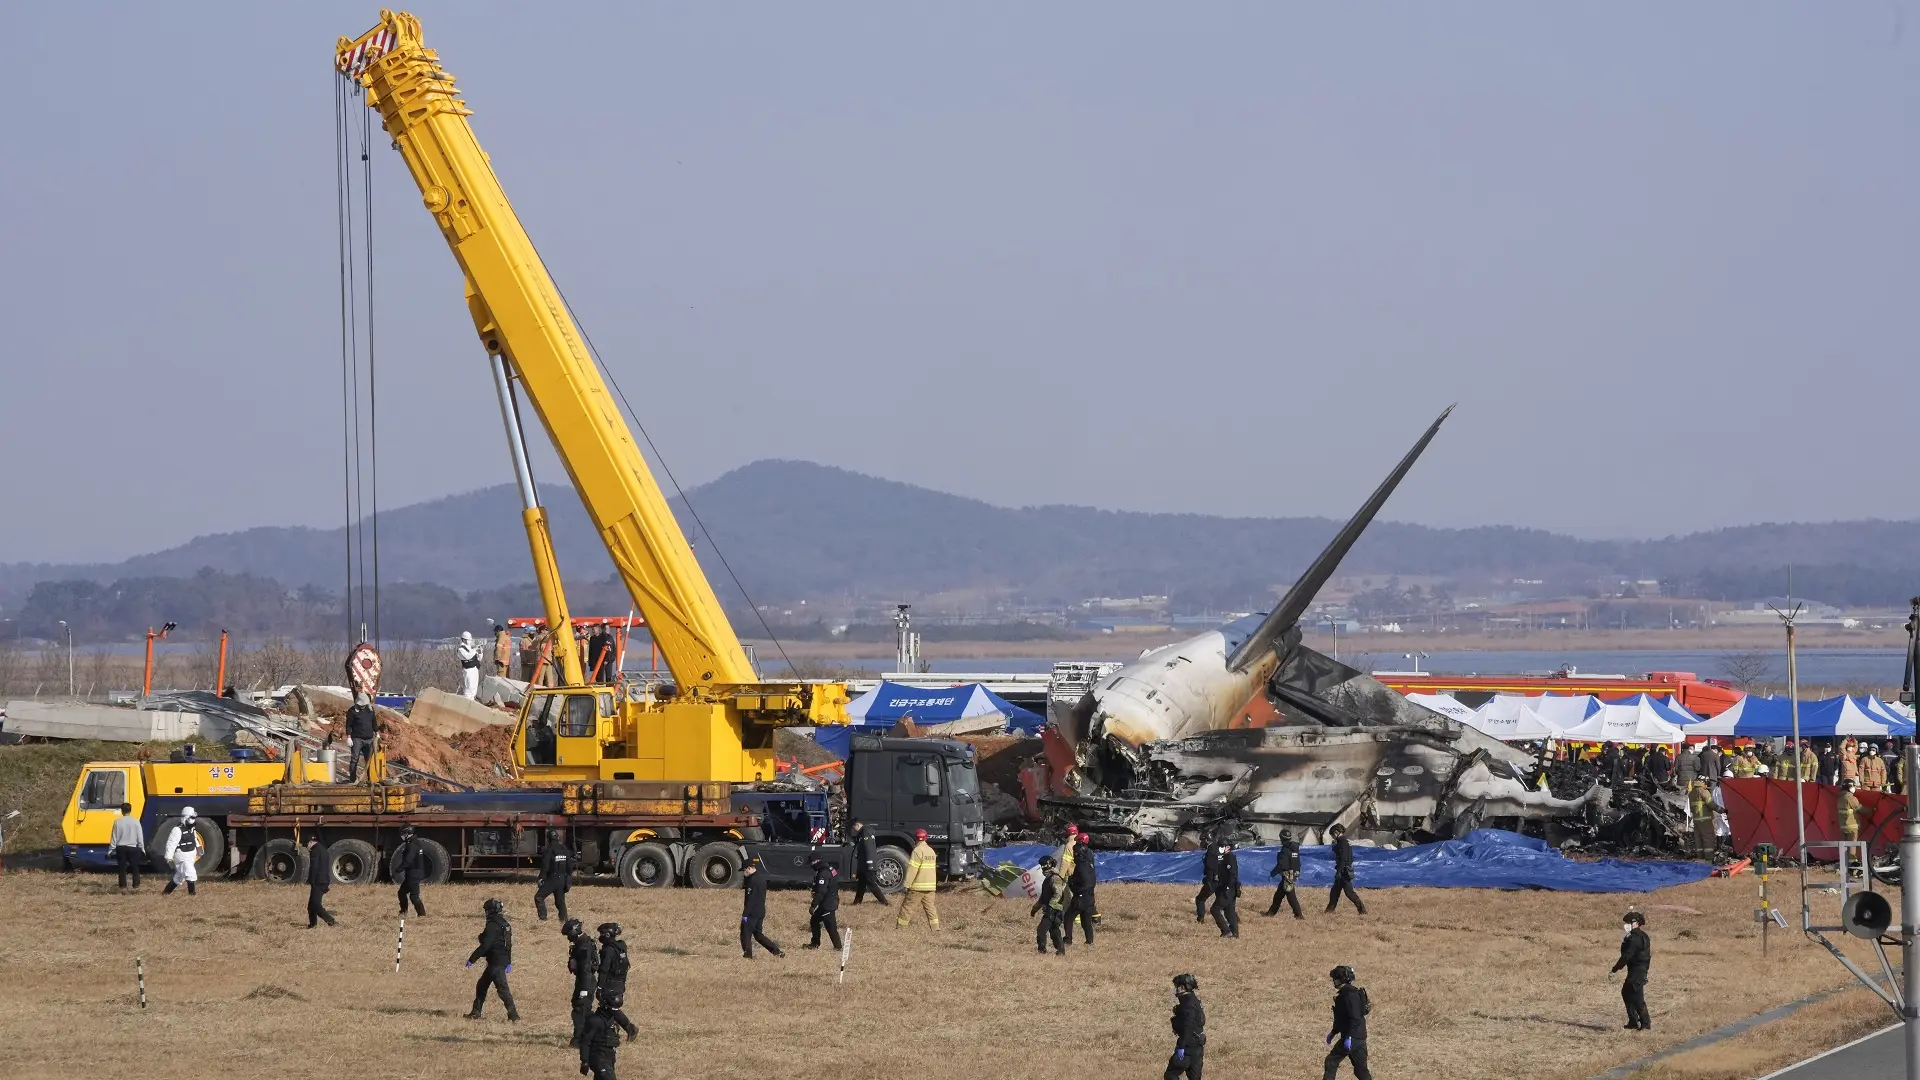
pixel 715 721
pixel 522 318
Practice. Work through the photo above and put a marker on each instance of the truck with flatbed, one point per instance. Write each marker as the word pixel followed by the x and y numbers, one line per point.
pixel 646 834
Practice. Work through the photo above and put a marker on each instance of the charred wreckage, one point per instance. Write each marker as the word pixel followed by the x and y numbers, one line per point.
pixel 1244 731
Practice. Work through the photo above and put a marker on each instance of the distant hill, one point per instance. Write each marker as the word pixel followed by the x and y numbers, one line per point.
pixel 793 530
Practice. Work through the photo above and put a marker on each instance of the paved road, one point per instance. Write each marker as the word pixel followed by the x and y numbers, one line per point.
pixel 1878 1057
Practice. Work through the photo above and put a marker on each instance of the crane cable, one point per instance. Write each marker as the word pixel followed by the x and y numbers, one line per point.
pixel 671 479
pixel 359 440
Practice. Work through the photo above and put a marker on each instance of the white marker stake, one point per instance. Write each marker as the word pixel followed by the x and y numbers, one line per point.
pixel 846 950
pixel 140 976
pixel 399 943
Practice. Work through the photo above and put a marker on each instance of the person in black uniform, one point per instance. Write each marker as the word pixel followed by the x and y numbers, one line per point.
pixel 599 1042
pixel 319 880
pixel 583 963
pixel 556 876
pixel 1286 870
pixel 1636 955
pixel 412 863
pixel 1226 891
pixel 1343 872
pixel 753 910
pixel 1348 1039
pixel 1047 906
pixel 1082 885
pixel 1209 867
pixel 613 975
pixel 1189 1031
pixel 863 855
pixel 496 948
pixel 824 911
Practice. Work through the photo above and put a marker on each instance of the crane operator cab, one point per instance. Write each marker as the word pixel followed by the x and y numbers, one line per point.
pixel 562 727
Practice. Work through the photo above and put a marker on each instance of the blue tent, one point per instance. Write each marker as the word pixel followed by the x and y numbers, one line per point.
pixel 1764 717
pixel 889 703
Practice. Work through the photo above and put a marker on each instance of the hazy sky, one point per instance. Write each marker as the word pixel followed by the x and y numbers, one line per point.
pixel 1220 258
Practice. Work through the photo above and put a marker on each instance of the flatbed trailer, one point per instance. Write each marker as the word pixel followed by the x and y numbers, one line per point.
pixel 642 850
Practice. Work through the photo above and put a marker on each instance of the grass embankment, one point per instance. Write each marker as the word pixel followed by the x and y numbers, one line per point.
pixel 37 780
pixel 1465 984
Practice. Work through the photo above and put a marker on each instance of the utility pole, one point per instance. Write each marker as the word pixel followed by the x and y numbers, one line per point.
pixel 69 632
pixel 1910 916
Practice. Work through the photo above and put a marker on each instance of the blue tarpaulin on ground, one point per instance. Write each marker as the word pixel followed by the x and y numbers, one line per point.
pixel 1486 859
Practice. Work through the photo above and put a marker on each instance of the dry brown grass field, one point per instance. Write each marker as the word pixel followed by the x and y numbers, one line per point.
pixel 1465 983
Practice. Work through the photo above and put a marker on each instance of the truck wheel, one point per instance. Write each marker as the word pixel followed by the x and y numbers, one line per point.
pixel 280 861
pixel 715 866
pixel 439 866
pixel 645 866
pixel 890 869
pixel 213 845
pixel 355 862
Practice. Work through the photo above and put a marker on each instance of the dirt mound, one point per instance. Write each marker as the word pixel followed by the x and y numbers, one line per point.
pixel 270 992
pixel 472 761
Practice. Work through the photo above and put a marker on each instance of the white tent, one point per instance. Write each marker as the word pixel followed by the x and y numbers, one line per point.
pixel 1638 719
pixel 1513 718
pixel 1560 710
pixel 1445 706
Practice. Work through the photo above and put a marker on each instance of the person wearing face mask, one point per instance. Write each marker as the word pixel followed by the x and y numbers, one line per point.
pixel 1348 1039
pixel 1189 1031
pixel 1636 956
pixel 1226 891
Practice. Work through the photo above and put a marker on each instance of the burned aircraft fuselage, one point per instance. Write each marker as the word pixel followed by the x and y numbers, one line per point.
pixel 1184 736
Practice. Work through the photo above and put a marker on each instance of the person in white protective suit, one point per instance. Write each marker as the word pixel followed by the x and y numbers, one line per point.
pixel 469 655
pixel 183 852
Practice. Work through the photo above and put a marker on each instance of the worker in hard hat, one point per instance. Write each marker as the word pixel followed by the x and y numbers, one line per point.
pixel 1700 804
pixel 502 651
pixel 1848 809
pixel 410 866
pixel 1348 1039
pixel 556 875
pixel 1873 769
pixel 614 966
pixel 182 852
pixel 1286 870
pixel 469 656
pixel 1048 905
pixel 1189 1022
pixel 496 948
pixel 1636 956
pixel 923 875
pixel 1084 878
pixel 583 963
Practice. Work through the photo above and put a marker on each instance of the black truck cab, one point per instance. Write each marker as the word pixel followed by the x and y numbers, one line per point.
pixel 896 787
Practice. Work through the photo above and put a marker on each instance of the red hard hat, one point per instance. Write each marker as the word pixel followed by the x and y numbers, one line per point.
pixel 1071 829
pixel 920 834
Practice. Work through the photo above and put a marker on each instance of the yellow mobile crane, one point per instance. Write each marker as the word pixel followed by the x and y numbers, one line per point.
pixel 715 721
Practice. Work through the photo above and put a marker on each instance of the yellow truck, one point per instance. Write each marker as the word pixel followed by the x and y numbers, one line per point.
pixel 157 791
